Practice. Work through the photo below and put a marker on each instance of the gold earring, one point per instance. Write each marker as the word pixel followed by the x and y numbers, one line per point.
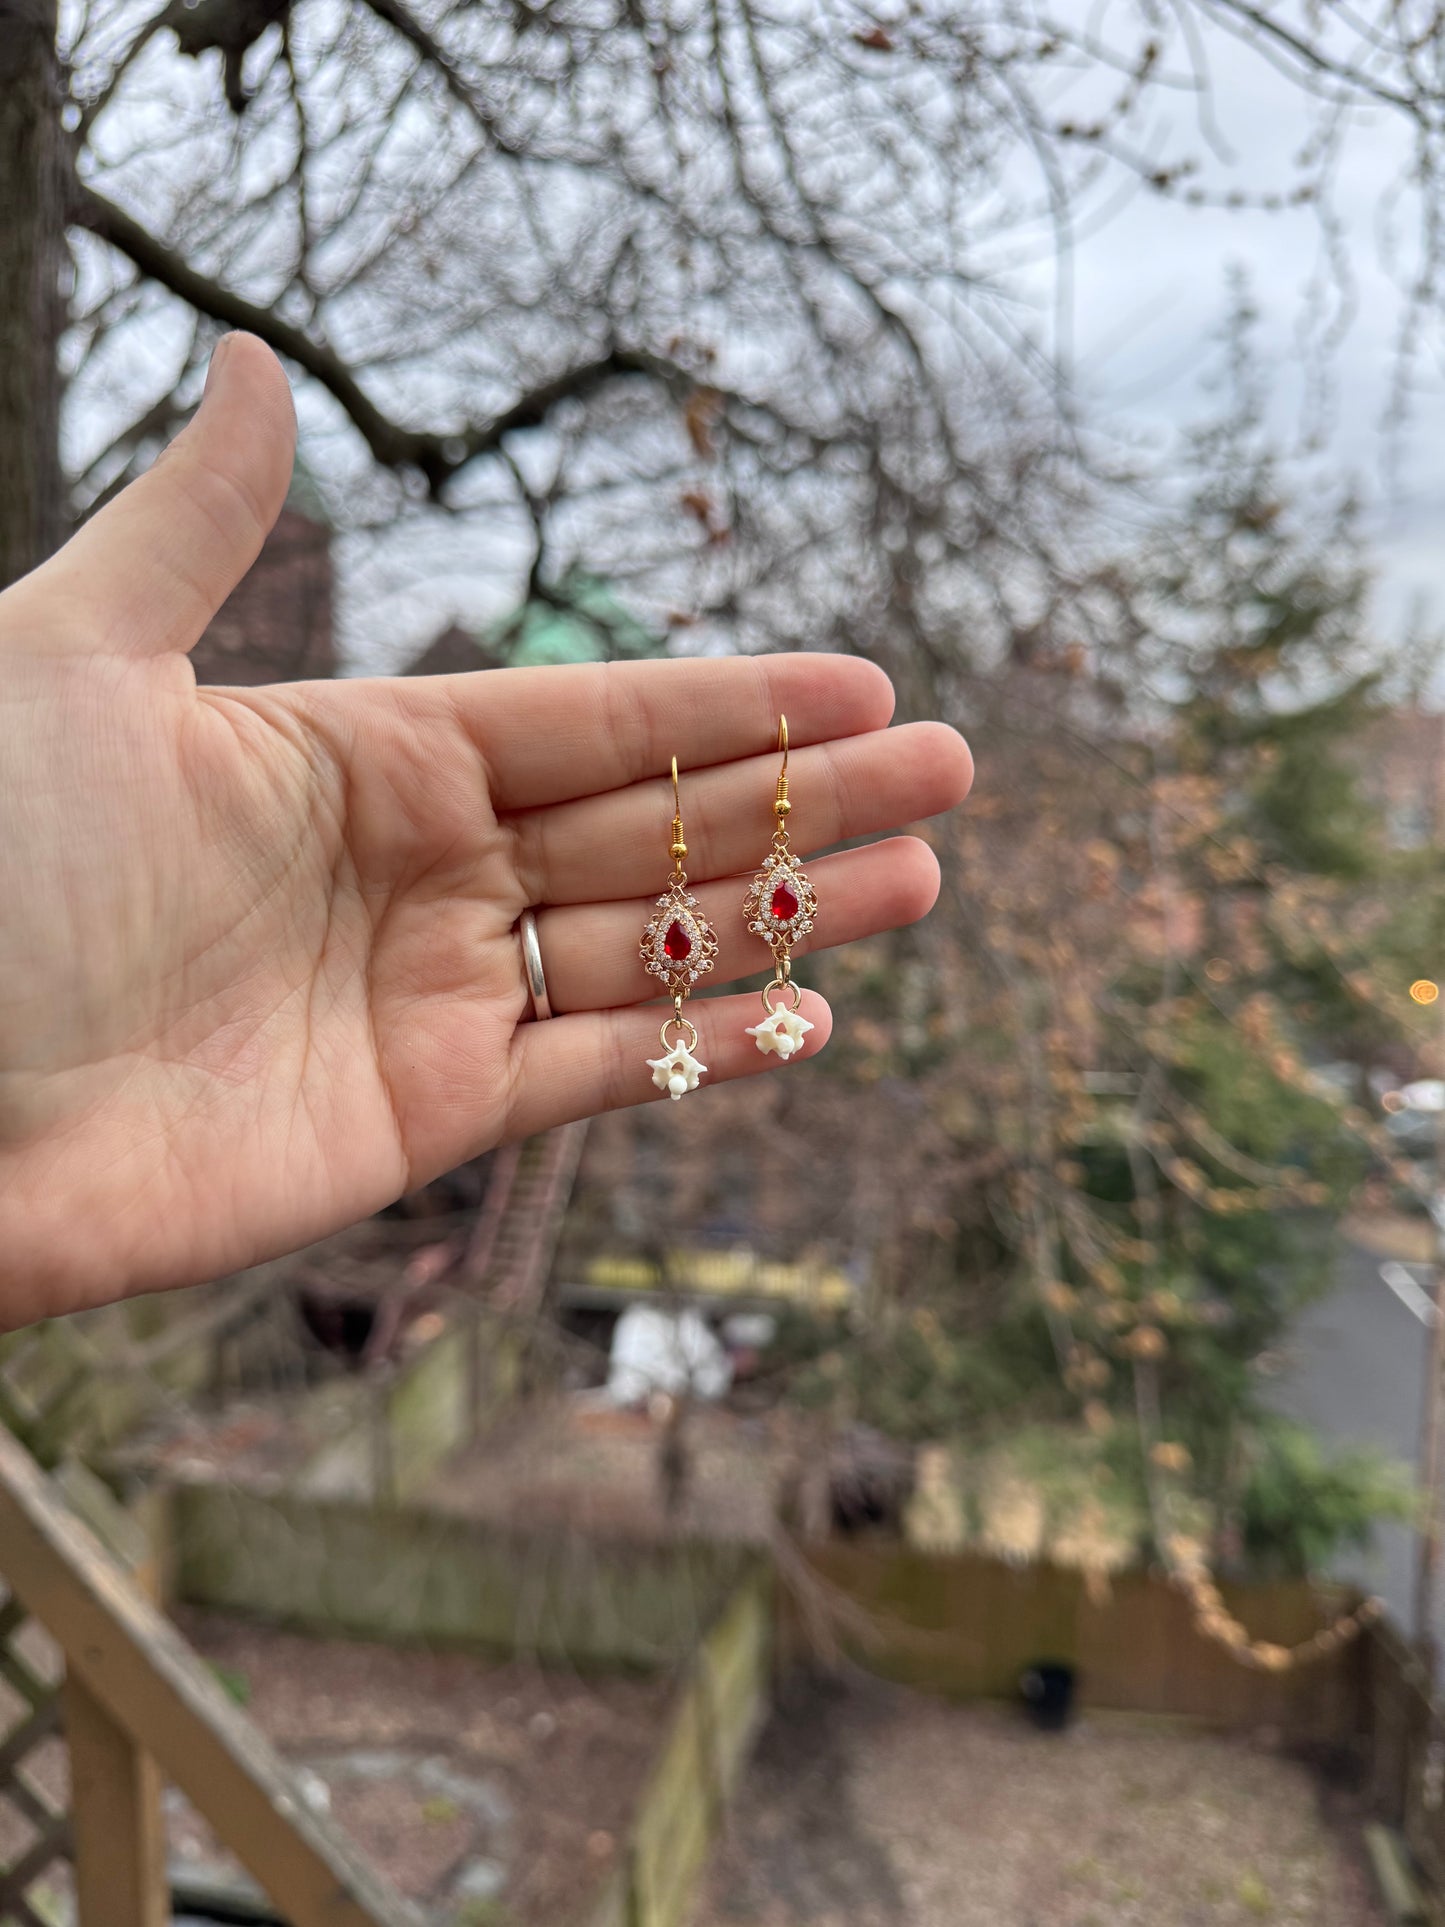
pixel 678 947
pixel 780 907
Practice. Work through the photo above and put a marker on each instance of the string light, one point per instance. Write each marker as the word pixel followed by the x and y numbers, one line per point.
pixel 1213 1618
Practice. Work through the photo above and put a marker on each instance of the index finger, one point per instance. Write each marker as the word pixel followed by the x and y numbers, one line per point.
pixel 550 735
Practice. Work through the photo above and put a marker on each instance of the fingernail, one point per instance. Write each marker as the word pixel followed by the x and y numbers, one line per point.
pixel 218 355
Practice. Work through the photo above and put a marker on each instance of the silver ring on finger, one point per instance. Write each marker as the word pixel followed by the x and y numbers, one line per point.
pixel 532 964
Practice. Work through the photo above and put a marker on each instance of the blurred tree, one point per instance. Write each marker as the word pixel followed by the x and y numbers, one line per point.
pixel 1183 893
pixel 784 381
pixel 1298 1507
pixel 33 195
pixel 608 281
pixel 1073 1131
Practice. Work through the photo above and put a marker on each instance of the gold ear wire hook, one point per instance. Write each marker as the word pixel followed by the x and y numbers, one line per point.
pixel 781 805
pixel 679 847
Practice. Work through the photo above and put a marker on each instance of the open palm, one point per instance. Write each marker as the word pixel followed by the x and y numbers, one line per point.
pixel 258 964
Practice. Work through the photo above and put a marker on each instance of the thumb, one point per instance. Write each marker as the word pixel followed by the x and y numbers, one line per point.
pixel 151 569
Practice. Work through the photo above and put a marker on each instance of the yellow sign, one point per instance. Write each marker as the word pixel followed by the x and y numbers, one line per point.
pixel 722 1274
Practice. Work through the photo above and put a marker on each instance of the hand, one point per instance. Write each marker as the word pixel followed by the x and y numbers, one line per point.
pixel 258 964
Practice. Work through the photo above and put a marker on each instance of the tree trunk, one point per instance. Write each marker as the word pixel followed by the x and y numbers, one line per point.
pixel 32 257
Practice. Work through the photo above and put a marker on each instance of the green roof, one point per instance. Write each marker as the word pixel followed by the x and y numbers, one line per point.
pixel 304 495
pixel 581 621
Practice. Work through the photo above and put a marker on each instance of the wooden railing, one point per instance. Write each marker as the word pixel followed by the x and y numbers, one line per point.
pixel 137 1708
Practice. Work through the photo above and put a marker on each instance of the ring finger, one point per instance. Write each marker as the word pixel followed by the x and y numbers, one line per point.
pixel 590 951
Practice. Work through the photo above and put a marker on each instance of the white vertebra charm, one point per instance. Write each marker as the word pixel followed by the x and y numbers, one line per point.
pixel 676 1071
pixel 780 1033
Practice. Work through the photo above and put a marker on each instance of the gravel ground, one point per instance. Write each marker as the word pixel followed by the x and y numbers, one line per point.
pixel 867 1806
pixel 485 1792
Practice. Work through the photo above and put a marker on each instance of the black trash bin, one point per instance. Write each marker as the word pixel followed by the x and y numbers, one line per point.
pixel 1048 1693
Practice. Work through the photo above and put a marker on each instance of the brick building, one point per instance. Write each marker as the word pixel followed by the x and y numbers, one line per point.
pixel 1402 768
pixel 455 652
pixel 276 625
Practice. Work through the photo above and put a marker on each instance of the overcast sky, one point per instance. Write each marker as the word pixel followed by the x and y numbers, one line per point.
pixel 1147 294
pixel 1150 292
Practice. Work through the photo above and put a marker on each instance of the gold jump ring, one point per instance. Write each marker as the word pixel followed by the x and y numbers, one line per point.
pixel 779 983
pixel 683 1024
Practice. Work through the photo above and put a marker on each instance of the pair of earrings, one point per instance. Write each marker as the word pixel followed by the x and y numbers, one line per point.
pixel 679 944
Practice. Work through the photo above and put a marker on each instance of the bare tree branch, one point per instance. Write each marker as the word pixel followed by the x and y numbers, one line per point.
pixel 437 457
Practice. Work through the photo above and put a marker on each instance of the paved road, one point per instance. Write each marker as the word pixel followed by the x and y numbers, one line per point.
pixel 1356 1371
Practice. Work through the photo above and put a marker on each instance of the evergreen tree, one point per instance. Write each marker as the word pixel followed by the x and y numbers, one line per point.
pixel 1164 915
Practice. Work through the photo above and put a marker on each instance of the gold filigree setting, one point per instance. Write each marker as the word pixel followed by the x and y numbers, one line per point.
pixel 781 881
pixel 678 943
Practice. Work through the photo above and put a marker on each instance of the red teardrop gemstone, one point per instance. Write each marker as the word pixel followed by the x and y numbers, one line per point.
pixel 677 944
pixel 785 903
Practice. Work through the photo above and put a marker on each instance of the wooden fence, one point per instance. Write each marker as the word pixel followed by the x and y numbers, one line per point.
pixel 969 1625
pixel 723 1703
pixel 966 1625
pixel 352 1569
pixel 1403 1746
pixel 136 1706
pixel 387 1432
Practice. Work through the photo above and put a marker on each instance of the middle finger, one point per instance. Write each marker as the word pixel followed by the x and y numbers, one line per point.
pixel 615 845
